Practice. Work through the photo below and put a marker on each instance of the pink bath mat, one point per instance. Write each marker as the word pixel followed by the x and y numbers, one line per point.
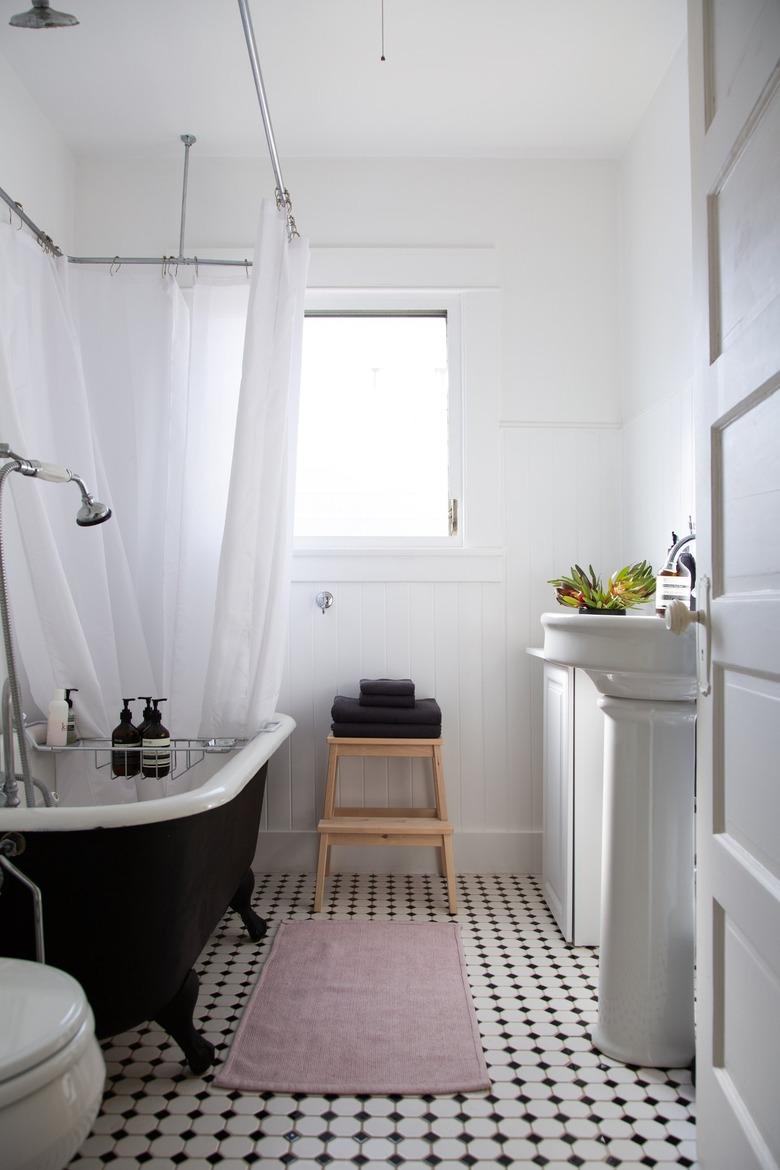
pixel 360 1007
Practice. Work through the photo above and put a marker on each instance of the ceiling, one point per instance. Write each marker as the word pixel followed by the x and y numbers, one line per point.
pixel 463 78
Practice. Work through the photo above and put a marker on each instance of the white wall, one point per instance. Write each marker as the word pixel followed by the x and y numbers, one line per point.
pixel 543 409
pixel 36 167
pixel 655 202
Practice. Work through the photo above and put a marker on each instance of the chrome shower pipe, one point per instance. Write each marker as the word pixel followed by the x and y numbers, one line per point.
pixel 282 194
pixel 10 787
pixel 12 682
pixel 188 140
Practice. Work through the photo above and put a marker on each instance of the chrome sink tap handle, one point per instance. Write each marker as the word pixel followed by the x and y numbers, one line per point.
pixel 677 548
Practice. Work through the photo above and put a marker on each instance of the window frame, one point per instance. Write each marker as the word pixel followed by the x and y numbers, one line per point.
pixel 400 302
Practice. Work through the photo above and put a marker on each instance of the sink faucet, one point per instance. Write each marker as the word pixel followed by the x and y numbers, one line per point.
pixel 674 551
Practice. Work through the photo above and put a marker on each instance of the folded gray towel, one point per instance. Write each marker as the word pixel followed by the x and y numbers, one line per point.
pixel 386 686
pixel 387 730
pixel 405 701
pixel 347 710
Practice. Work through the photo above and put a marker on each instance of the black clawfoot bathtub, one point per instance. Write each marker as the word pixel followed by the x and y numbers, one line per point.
pixel 131 896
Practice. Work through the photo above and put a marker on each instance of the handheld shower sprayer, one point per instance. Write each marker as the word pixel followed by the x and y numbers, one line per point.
pixel 91 512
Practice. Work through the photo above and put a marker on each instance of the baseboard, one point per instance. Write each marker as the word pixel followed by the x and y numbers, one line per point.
pixel 475 852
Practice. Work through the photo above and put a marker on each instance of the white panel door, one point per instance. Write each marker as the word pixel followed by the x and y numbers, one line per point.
pixel 735 137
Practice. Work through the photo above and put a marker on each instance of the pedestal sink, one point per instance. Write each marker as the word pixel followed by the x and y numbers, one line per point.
pixel 647 679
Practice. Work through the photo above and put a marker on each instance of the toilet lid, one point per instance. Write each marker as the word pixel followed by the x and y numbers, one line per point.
pixel 41 1010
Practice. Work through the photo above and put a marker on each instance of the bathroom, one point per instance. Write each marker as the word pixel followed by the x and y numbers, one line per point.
pixel 544 202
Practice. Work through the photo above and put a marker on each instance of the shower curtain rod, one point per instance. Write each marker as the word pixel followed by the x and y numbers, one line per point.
pixel 46 242
pixel 283 201
pixel 165 262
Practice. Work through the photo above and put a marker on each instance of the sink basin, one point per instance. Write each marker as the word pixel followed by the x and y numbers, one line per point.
pixel 627 656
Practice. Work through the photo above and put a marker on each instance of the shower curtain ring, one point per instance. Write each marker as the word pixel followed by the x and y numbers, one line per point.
pixel 246 267
pixel 196 270
pixel 19 208
pixel 45 243
pixel 116 264
pixel 164 268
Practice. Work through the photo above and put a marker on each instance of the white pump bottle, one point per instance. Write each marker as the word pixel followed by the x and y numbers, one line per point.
pixel 57 728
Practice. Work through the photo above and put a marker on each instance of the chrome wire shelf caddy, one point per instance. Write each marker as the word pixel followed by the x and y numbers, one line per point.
pixel 184 754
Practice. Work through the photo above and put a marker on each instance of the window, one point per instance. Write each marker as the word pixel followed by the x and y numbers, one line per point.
pixel 378 455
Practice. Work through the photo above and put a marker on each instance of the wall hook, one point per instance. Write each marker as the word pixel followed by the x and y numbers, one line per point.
pixel 324 600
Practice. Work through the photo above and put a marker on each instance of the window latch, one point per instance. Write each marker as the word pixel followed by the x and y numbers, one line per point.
pixel 452 518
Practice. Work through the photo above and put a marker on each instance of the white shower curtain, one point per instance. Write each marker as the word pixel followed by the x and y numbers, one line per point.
pixel 136 384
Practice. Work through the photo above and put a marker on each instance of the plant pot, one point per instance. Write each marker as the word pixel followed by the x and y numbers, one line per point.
pixel 602 612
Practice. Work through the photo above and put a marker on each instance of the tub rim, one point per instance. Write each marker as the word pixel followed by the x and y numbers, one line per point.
pixel 219 789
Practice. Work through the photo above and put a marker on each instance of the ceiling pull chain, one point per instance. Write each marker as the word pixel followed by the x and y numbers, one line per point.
pixel 382 8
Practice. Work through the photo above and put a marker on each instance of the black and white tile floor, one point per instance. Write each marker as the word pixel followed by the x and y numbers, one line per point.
pixel 555 1102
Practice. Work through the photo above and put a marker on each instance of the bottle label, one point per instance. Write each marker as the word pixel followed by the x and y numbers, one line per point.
pixel 126 757
pixel 156 753
pixel 668 589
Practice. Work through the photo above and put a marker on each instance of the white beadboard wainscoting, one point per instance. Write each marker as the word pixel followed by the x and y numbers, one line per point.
pixel 458 623
pixel 438 618
pixel 562 500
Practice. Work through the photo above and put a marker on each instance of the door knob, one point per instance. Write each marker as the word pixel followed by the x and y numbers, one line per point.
pixel 679 617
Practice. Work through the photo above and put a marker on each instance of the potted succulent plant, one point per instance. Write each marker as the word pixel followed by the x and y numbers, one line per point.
pixel 632 585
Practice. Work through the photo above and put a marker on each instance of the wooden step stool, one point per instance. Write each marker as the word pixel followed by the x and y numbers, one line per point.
pixel 385 826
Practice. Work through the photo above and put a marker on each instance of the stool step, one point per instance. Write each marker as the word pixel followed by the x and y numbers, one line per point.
pixel 380 811
pixel 428 827
pixel 408 826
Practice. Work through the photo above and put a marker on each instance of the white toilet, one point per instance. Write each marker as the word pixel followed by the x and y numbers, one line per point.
pixel 51 1067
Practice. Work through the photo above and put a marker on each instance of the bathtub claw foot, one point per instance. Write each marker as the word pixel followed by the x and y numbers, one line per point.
pixel 176 1020
pixel 241 902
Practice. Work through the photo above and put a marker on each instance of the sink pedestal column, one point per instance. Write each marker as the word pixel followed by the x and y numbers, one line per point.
pixel 647 941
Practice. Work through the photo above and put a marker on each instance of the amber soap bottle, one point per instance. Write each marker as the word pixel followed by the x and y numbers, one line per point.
pixel 125 736
pixel 156 759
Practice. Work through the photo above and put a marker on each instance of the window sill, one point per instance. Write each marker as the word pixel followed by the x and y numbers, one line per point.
pixel 399 565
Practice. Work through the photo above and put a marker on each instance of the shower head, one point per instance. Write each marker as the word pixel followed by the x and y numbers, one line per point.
pixel 91 512
pixel 42 16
